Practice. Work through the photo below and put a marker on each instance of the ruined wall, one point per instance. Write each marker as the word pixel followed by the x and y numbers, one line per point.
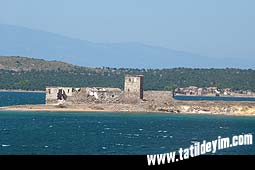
pixel 95 95
pixel 133 86
pixel 52 94
pixel 133 93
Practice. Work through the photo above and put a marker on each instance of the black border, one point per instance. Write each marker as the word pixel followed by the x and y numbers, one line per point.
pixel 121 161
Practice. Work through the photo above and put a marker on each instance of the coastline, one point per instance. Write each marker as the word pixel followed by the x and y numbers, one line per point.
pixel 123 108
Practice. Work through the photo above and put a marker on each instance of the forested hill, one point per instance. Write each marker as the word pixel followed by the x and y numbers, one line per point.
pixel 17 63
pixel 35 74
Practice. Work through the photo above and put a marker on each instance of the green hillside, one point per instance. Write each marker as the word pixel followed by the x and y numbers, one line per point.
pixel 33 74
pixel 16 63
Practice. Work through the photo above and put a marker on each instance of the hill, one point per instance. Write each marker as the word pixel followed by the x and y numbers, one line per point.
pixel 33 74
pixel 17 63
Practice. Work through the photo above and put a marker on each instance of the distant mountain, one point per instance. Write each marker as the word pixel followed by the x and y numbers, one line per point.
pixel 20 41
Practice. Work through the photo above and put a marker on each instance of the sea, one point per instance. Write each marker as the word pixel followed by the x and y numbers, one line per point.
pixel 101 133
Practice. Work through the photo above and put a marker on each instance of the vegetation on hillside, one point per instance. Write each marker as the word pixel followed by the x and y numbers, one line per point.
pixel 17 63
pixel 35 74
pixel 164 79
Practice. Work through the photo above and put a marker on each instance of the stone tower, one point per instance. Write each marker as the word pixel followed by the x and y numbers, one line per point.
pixel 133 86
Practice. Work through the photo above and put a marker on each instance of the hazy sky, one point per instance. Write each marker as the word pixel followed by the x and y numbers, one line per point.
pixel 217 28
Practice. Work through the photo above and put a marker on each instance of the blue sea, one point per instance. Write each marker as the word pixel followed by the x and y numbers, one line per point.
pixel 72 133
pixel 20 98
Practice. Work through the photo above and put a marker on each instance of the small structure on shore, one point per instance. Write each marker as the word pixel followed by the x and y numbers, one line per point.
pixel 57 94
pixel 133 91
pixel 134 86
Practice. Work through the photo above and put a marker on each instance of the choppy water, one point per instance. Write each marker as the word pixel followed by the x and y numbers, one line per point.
pixel 19 98
pixel 114 133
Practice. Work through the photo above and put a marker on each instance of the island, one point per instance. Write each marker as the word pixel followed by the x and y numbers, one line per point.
pixel 132 99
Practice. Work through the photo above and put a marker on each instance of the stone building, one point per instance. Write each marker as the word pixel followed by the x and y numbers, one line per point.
pixel 133 92
pixel 55 94
pixel 133 86
pixel 95 94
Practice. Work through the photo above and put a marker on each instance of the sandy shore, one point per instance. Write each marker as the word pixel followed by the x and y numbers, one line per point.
pixel 77 108
pixel 218 108
pixel 48 108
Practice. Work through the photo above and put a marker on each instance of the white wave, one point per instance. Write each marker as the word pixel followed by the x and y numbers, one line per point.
pixel 140 129
pixel 104 147
pixel 119 144
pixel 3 145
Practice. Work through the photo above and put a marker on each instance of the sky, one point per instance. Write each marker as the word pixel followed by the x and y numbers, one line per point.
pixel 213 28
